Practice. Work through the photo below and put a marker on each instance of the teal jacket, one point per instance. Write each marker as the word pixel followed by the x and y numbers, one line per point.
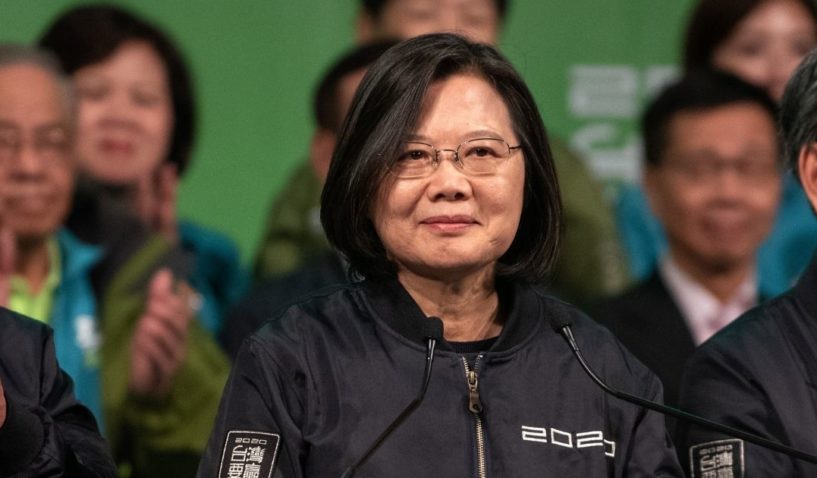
pixel 216 272
pixel 75 323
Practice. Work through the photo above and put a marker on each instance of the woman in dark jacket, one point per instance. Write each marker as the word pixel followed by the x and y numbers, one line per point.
pixel 443 197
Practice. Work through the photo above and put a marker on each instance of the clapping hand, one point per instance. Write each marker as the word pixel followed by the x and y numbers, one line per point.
pixel 159 343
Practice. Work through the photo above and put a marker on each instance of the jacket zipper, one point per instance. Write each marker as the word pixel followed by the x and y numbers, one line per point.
pixel 475 407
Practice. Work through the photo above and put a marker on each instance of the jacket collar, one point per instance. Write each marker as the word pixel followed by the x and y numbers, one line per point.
pixel 77 256
pixel 806 288
pixel 400 312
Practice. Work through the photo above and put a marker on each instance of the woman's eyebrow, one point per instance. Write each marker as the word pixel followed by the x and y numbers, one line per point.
pixel 479 133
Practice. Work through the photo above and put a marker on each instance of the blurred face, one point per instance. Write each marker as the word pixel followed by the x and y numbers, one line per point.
pixel 125 115
pixel 718 185
pixel 36 173
pixel 766 47
pixel 324 140
pixel 451 223
pixel 476 19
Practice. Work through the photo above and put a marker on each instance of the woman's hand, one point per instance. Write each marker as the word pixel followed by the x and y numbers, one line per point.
pixel 159 343
pixel 156 200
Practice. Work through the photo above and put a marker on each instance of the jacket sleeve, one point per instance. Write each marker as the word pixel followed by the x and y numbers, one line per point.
pixel 718 386
pixel 59 436
pixel 260 418
pixel 651 450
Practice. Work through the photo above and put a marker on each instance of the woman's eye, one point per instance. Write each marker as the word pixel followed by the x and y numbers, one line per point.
pixel 480 152
pixel 414 155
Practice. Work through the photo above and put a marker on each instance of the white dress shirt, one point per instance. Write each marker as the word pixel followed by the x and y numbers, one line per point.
pixel 704 313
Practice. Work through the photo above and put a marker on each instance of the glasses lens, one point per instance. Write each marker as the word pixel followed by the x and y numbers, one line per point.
pixel 483 155
pixel 415 160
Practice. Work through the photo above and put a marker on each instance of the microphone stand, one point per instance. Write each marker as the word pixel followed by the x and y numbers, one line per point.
pixel 431 344
pixel 567 333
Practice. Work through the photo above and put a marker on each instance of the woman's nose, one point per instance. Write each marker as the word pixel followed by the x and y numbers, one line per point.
pixel 448 181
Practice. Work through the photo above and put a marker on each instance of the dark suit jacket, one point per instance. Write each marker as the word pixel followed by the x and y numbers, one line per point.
pixel 649 323
pixel 47 432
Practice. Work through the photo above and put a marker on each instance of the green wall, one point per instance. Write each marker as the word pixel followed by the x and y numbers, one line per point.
pixel 590 64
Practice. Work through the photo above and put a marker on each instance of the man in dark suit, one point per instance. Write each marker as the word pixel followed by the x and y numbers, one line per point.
pixel 759 373
pixel 713 178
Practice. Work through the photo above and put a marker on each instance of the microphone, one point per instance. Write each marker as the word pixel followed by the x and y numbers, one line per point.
pixel 432 332
pixel 562 327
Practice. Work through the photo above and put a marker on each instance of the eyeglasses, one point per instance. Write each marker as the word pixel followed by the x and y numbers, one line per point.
pixel 49 143
pixel 479 157
pixel 708 170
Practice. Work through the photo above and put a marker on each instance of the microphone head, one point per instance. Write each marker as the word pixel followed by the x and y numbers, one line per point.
pixel 432 328
pixel 558 321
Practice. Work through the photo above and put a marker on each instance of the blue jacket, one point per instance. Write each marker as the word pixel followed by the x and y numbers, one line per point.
pixel 75 322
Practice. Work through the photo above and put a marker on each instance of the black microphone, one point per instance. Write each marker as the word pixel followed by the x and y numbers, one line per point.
pixel 562 326
pixel 432 332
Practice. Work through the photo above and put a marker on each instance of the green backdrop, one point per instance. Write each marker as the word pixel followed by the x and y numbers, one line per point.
pixel 590 64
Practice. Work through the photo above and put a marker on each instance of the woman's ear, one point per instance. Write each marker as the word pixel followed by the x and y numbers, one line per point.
pixel 807 171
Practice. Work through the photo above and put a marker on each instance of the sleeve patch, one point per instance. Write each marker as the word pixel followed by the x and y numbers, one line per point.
pixel 717 459
pixel 249 454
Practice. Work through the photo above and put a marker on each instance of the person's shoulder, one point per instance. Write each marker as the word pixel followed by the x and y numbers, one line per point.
pixel 333 307
pixel 198 237
pixel 21 336
pixel 645 305
pixel 559 312
pixel 14 324
pixel 600 347
pixel 752 332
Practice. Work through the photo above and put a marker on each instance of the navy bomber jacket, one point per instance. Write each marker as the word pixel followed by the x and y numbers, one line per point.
pixel 312 390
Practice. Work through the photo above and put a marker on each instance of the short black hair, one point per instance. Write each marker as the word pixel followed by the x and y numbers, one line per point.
pixel 386 109
pixel 90 34
pixel 698 90
pixel 798 111
pixel 326 107
pixel 374 7
pixel 713 21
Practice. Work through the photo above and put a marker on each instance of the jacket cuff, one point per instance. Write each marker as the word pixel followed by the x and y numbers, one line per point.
pixel 21 438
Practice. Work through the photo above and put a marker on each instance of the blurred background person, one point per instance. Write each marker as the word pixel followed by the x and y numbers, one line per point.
pixel 591 263
pixel 758 373
pixel 44 430
pixel 712 176
pixel 46 268
pixel 761 41
pixel 443 194
pixel 296 210
pixel 137 124
pixel 161 370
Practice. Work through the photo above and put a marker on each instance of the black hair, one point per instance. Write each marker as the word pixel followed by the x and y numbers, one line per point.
pixel 374 7
pixel 798 111
pixel 698 90
pixel 713 21
pixel 386 109
pixel 326 107
pixel 90 34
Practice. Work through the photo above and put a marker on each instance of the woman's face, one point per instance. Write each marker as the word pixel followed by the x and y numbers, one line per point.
pixel 451 223
pixel 125 114
pixel 766 47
